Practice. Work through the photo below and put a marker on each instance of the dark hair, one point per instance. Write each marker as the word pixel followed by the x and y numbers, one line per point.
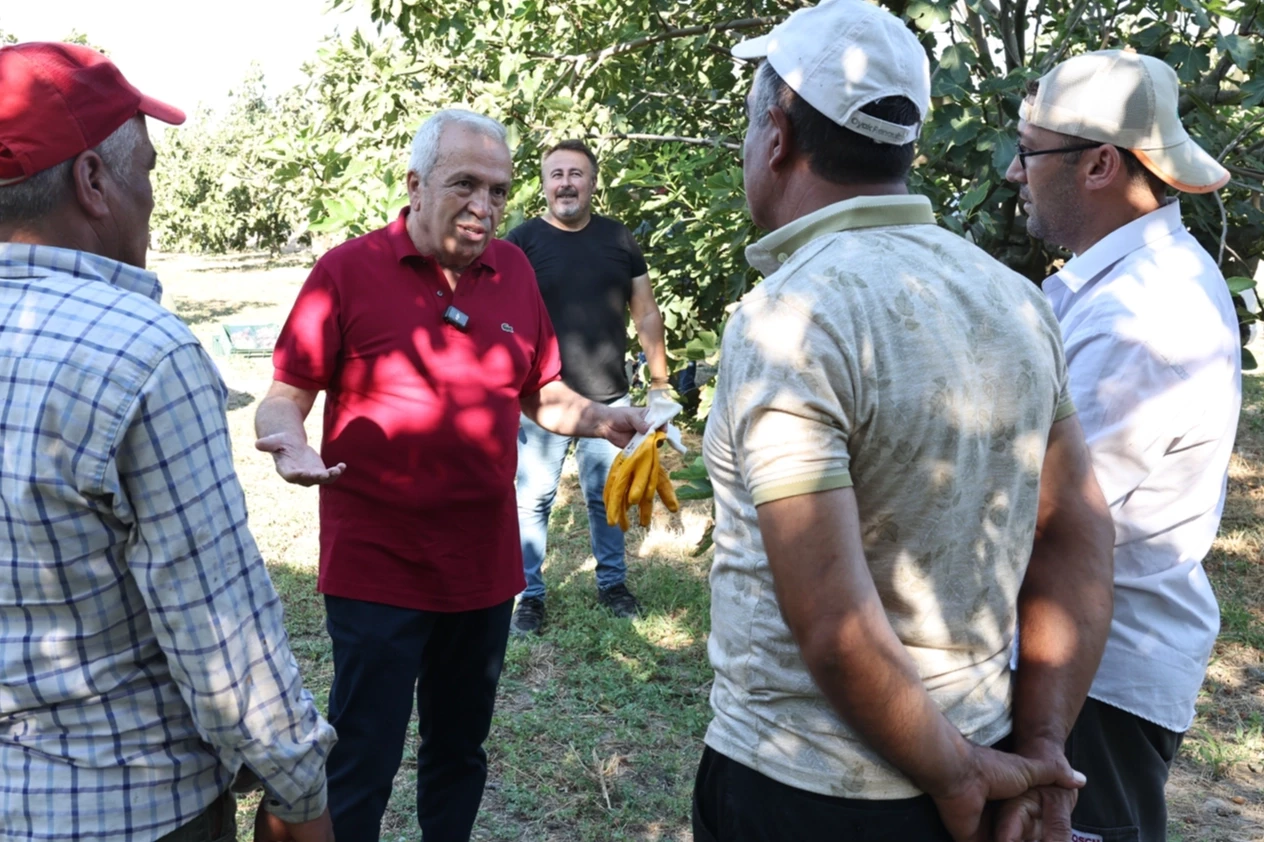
pixel 572 146
pixel 1136 170
pixel 835 153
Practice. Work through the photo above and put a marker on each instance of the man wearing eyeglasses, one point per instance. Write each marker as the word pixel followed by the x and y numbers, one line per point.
pixel 1152 344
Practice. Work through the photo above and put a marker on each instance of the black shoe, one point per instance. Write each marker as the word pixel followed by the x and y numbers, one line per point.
pixel 620 601
pixel 528 617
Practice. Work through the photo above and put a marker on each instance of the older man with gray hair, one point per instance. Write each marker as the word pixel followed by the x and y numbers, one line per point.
pixel 143 656
pixel 429 337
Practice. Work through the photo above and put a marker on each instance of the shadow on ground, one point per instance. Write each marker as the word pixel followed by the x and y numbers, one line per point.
pixel 198 311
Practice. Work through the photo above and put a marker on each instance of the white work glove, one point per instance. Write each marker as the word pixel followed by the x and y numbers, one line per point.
pixel 662 409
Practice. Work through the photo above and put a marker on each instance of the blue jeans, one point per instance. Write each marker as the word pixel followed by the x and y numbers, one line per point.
pixel 540 458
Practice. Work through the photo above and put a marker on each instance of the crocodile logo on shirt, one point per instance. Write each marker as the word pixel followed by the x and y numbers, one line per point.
pixel 506 327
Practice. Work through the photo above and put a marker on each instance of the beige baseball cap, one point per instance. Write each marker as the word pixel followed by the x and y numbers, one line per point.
pixel 1127 100
pixel 841 55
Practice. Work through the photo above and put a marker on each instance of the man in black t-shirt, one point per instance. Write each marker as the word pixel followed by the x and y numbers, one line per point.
pixel 591 273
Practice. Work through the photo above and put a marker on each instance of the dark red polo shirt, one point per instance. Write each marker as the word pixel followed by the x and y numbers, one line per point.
pixel 424 415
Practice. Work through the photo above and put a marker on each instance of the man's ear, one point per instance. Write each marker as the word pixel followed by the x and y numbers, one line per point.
pixel 780 140
pixel 413 182
pixel 91 185
pixel 1102 167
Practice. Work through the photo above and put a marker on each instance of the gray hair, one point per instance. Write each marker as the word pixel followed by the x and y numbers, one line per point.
pixel 425 150
pixel 41 194
pixel 767 93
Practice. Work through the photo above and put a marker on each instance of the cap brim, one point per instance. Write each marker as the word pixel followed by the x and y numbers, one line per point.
pixel 751 48
pixel 151 107
pixel 1185 166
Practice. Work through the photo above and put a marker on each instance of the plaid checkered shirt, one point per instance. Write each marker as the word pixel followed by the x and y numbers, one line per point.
pixel 143 658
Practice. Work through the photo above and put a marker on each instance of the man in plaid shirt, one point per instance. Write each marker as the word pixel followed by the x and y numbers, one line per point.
pixel 143 660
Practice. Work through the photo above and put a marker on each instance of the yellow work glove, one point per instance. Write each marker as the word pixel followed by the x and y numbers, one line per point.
pixel 633 481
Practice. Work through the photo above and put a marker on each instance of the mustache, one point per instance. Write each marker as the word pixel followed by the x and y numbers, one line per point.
pixel 568 193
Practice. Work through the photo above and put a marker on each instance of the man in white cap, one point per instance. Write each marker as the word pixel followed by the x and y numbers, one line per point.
pixel 1152 347
pixel 899 473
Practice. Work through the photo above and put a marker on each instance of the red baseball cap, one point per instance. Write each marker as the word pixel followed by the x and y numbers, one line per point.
pixel 57 100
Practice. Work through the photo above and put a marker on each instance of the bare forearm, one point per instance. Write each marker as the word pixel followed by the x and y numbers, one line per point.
pixel 1064 612
pixel 649 329
pixel 1065 603
pixel 559 409
pixel 832 606
pixel 277 414
pixel 866 674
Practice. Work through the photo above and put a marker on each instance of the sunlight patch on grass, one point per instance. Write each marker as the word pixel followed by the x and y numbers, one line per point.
pixel 667 631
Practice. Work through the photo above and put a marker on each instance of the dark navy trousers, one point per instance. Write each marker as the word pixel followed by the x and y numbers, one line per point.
pixel 382 656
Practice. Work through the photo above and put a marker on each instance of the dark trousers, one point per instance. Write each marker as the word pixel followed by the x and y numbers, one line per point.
pixel 1127 761
pixel 381 653
pixel 734 803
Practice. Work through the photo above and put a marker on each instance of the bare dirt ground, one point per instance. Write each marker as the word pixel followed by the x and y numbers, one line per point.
pixel 623 771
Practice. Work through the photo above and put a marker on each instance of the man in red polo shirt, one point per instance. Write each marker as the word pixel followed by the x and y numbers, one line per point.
pixel 428 336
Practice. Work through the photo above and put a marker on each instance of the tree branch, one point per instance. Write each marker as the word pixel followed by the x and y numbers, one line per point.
pixel 667 138
pixel 1073 20
pixel 1212 94
pixel 975 24
pixel 647 40
pixel 1257 175
pixel 1224 227
pixel 1013 55
pixel 1233 144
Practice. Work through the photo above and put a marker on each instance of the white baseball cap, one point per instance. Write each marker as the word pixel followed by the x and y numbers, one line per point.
pixel 1126 100
pixel 842 55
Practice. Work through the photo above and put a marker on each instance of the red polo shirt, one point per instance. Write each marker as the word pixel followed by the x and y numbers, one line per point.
pixel 424 415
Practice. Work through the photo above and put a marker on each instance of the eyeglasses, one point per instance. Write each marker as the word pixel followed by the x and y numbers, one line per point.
pixel 1024 154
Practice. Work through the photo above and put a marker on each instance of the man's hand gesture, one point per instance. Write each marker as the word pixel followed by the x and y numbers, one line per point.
pixel 298 462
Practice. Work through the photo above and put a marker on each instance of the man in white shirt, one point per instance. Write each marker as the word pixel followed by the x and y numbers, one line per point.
pixel 1152 345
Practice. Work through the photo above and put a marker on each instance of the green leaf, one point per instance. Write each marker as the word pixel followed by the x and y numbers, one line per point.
pixel 702 346
pixel 1248 361
pixel 1240 284
pixel 956 61
pixel 1004 152
pixel 927 15
pixel 1241 48
pixel 695 492
pixel 1254 91
pixel 1190 62
pixel 975 197
pixel 708 541
pixel 1200 14
pixel 696 470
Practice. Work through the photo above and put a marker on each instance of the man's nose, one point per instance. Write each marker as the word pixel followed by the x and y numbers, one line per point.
pixel 1015 172
pixel 480 203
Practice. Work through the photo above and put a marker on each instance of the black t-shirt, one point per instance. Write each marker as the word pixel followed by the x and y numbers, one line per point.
pixel 586 280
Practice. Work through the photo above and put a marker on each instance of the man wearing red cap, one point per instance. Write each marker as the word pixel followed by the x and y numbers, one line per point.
pixel 1152 348
pixel 143 660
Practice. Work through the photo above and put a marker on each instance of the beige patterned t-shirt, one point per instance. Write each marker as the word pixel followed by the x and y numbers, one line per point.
pixel 888 354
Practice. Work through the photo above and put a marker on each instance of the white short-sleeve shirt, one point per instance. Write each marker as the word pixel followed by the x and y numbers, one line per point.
pixel 1156 374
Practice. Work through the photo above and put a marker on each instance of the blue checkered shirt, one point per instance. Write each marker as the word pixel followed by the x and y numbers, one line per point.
pixel 143 658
